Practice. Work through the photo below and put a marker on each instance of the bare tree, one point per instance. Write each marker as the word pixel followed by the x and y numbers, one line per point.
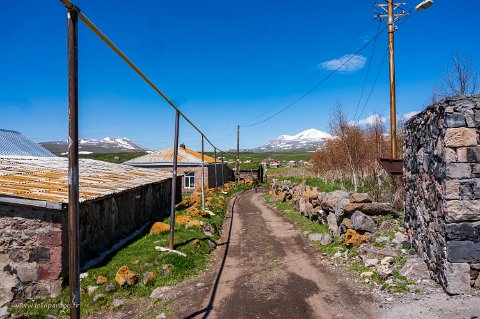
pixel 461 78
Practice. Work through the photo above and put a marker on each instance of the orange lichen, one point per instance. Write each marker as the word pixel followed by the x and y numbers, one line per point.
pixel 187 221
pixel 125 276
pixel 159 228
pixel 352 238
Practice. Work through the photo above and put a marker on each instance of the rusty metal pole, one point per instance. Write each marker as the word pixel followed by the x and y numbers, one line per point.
pixel 203 176
pixel 223 178
pixel 215 158
pixel 238 154
pixel 391 51
pixel 174 181
pixel 73 170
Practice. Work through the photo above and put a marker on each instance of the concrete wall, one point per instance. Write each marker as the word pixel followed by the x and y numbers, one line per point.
pixel 34 243
pixel 442 190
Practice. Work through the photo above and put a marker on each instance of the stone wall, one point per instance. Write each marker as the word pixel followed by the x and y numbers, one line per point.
pixel 442 190
pixel 342 211
pixel 34 242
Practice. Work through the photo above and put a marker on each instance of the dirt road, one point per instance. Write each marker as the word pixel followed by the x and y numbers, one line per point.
pixel 269 271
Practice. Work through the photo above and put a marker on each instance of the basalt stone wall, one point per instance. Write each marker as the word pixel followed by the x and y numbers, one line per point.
pixel 34 242
pixel 442 190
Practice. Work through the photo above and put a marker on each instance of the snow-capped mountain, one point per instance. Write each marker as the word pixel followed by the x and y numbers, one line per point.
pixel 306 140
pixel 91 145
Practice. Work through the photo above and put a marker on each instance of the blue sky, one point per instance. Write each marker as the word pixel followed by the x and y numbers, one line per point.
pixel 222 62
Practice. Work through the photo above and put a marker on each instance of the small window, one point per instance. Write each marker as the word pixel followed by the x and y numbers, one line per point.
pixel 189 180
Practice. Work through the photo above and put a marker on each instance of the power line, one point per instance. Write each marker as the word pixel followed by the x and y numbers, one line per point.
pixel 313 73
pixel 368 71
pixel 101 35
pixel 320 82
pixel 373 86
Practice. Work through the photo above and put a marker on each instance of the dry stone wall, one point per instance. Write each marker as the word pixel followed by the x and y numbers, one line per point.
pixel 349 216
pixel 442 190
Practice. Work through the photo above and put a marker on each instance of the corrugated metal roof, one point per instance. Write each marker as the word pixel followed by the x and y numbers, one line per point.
pixel 14 143
pixel 185 155
pixel 46 178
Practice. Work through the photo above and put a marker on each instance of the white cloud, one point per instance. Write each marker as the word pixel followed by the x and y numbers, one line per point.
pixel 348 63
pixel 408 115
pixel 372 119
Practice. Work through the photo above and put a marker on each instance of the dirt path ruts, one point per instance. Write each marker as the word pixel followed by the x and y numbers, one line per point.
pixel 271 272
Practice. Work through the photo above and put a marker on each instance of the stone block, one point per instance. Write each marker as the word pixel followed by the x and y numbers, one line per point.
pixel 449 155
pixel 362 222
pixel 462 211
pixel 50 271
pixel 457 277
pixel 462 155
pixel 458 170
pixel 463 251
pixel 28 273
pixel 463 231
pixel 460 137
pixel 473 154
pixel 452 189
pixel 39 254
pixel 454 120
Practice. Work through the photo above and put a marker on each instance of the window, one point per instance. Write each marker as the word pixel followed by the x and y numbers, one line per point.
pixel 189 180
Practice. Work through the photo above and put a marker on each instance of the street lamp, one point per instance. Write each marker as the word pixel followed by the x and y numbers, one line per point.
pixel 391 18
pixel 424 5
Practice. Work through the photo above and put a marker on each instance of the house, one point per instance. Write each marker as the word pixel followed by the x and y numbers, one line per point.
pixel 274 164
pixel 116 203
pixel 189 164
pixel 292 163
pixel 16 144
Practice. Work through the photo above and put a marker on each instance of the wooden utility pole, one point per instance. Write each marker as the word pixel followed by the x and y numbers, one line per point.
pixel 174 182
pixel 391 17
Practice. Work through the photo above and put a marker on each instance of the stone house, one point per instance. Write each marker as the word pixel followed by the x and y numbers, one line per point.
pixel 116 203
pixel 189 164
pixel 442 190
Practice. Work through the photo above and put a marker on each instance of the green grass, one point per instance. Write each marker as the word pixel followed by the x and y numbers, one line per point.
pixel 140 256
pixel 314 182
pixel 257 157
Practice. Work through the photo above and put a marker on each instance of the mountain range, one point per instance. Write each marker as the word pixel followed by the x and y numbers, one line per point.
pixel 310 139
pixel 90 145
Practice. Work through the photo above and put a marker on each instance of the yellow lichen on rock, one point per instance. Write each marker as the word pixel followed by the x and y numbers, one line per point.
pixel 159 228
pixel 101 280
pixel 148 277
pixel 352 238
pixel 187 221
pixel 125 276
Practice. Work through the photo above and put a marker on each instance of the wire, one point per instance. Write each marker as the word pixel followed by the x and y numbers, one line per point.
pixel 313 73
pixel 368 71
pixel 328 76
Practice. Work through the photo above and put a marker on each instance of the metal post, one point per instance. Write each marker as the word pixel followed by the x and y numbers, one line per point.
pixel 203 177
pixel 223 178
pixel 174 181
pixel 238 153
pixel 393 119
pixel 73 170
pixel 215 157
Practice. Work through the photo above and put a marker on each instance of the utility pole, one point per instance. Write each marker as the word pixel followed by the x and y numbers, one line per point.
pixel 73 168
pixel 238 153
pixel 390 18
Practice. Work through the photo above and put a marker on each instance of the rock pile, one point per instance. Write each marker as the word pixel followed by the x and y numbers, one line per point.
pixel 349 216
pixel 442 190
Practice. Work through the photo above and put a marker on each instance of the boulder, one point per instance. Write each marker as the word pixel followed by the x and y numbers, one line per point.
pixel 326 240
pixel 101 280
pixel 352 238
pixel 125 276
pixel 415 268
pixel 360 198
pixel 371 209
pixel 330 200
pixel 332 225
pixel 315 237
pixel 362 222
pixel 159 228
pixel 148 277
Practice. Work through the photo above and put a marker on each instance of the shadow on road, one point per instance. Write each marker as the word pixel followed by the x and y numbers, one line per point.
pixel 206 311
